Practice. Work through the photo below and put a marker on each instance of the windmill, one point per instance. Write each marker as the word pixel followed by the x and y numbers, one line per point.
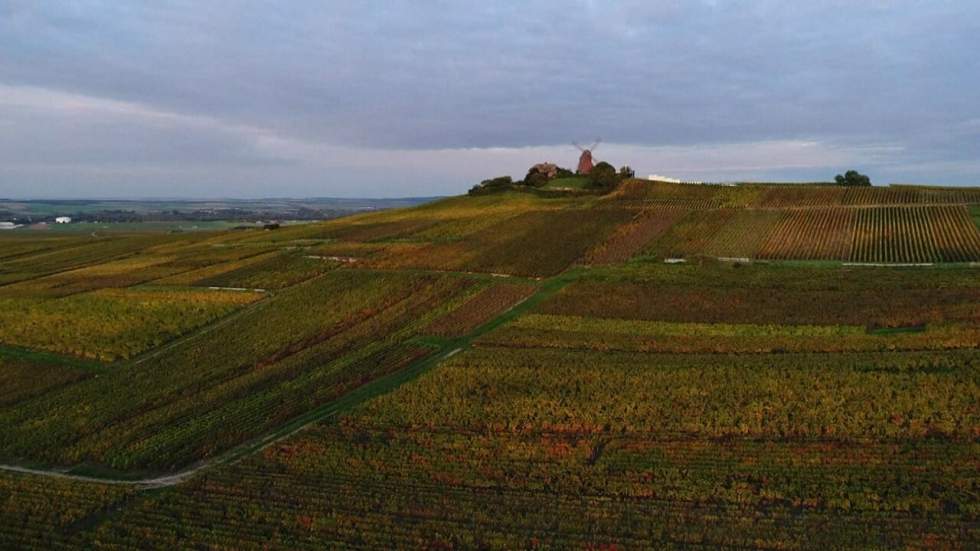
pixel 585 159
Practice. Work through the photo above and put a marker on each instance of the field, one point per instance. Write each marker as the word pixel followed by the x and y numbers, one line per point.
pixel 111 324
pixel 179 215
pixel 216 389
pixel 896 225
pixel 505 371
pixel 129 227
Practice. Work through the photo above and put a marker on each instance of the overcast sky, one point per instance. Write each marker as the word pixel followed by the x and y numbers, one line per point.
pixel 224 98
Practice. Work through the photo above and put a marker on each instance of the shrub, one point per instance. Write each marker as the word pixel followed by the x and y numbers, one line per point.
pixel 603 176
pixel 852 178
pixel 493 184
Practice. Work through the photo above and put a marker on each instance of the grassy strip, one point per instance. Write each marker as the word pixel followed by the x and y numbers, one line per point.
pixel 485 276
pixel 897 330
pixel 652 328
pixel 51 358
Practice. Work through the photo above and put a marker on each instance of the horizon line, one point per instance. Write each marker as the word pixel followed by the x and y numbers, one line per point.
pixel 205 199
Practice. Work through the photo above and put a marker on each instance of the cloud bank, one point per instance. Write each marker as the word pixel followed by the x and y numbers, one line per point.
pixel 249 98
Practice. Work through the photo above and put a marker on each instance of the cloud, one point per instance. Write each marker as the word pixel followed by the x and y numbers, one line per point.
pixel 88 145
pixel 215 88
pixel 52 127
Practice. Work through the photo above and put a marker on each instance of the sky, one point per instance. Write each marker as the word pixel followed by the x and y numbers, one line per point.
pixel 313 98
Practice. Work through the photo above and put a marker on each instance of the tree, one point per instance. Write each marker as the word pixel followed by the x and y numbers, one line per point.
pixel 498 182
pixel 626 172
pixel 535 178
pixel 852 178
pixel 540 174
pixel 603 176
pixel 491 185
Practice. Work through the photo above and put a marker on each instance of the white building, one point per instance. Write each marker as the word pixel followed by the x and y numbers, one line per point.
pixel 659 178
pixel 8 226
pixel 63 220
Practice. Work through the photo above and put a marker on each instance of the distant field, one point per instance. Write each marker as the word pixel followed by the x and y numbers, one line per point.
pixel 98 227
pixel 207 208
pixel 504 371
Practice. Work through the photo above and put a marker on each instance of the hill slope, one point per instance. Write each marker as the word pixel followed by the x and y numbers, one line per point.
pixel 526 235
pixel 506 371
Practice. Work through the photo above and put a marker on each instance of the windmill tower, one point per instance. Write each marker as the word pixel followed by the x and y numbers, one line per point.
pixel 585 159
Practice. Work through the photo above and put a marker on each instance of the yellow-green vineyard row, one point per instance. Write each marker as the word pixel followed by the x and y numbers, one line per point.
pixel 869 235
pixel 790 196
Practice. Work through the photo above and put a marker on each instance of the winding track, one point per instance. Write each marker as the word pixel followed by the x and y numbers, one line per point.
pixel 445 349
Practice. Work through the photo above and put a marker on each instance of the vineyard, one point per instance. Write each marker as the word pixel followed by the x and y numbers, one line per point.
pixel 813 234
pixel 480 309
pixel 940 234
pixel 574 332
pixel 216 389
pixel 504 371
pixel 891 235
pixel 792 196
pixel 112 324
pixel 895 225
pixel 511 449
